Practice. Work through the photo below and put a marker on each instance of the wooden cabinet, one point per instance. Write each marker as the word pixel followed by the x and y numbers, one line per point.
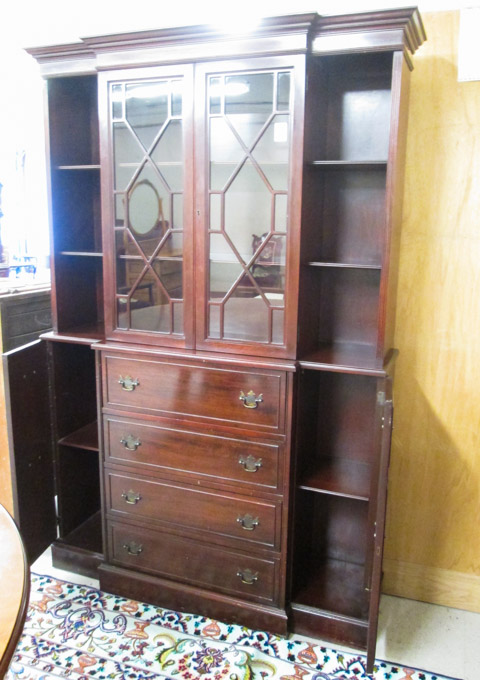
pixel 240 304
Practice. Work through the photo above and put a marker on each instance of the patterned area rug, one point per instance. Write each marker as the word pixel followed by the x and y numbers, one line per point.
pixel 79 632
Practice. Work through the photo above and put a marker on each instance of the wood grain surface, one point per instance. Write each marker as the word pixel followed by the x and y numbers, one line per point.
pixel 434 487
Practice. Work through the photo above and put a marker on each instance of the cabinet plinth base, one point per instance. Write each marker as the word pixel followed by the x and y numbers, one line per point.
pixel 328 626
pixel 78 560
pixel 185 598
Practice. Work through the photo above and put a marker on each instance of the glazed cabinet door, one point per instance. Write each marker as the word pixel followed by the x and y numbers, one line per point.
pixel 146 154
pixel 248 176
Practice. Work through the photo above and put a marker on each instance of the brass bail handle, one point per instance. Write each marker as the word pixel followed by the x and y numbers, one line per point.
pixel 131 497
pixel 250 463
pixel 250 400
pixel 130 442
pixel 248 522
pixel 248 576
pixel 133 548
pixel 128 383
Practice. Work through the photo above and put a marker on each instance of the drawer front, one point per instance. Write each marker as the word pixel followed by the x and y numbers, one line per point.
pixel 189 561
pixel 220 515
pixel 200 391
pixel 151 448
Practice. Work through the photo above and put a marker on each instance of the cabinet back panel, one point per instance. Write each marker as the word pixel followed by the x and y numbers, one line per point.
pixel 340 421
pixel 353 217
pixel 73 120
pixel 330 528
pixel 358 117
pixel 77 472
pixel 74 385
pixel 348 306
pixel 76 210
pixel 78 291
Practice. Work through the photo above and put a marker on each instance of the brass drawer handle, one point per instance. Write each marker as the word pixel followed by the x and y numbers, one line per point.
pixel 131 497
pixel 133 548
pixel 250 400
pixel 248 522
pixel 250 463
pixel 248 576
pixel 130 442
pixel 128 384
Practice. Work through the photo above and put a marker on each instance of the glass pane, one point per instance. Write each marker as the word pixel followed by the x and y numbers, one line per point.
pixel 272 152
pixel 117 102
pixel 127 154
pixel 148 207
pixel 214 321
pixel 215 95
pixel 249 103
pixel 168 155
pixel 150 306
pixel 177 217
pixel 172 246
pixel 278 317
pixel 177 86
pixel 224 266
pixel 178 318
pixel 246 319
pixel 283 92
pixel 281 203
pixel 225 153
pixel 147 108
pixel 248 209
pixel 215 211
pixel 170 274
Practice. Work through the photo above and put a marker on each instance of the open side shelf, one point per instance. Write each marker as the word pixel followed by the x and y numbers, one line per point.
pixel 337 587
pixel 81 550
pixel 340 477
pixel 84 438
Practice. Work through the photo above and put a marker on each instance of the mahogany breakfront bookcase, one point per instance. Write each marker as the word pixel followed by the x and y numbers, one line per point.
pixel 225 215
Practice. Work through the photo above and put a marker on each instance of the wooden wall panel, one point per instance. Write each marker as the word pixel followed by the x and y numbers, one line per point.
pixel 432 544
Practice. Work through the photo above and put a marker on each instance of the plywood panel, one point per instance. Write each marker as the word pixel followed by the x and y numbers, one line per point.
pixel 434 485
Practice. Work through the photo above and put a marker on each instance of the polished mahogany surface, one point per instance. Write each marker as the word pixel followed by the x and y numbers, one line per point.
pixel 15 580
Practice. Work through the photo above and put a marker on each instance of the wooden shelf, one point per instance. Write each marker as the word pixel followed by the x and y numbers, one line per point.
pixel 349 165
pixel 78 167
pixel 345 265
pixel 84 438
pixel 337 587
pixel 345 358
pixel 84 335
pixel 339 477
pixel 83 253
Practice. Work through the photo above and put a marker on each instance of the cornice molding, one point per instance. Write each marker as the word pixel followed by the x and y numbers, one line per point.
pixel 400 29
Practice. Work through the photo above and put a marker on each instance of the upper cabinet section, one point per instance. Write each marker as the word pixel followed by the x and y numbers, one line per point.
pixel 250 185
pixel 147 204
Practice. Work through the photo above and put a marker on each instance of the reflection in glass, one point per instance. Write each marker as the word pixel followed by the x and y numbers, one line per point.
pixel 249 155
pixel 146 108
pixel 246 319
pixel 283 91
pixel 168 155
pixel 248 209
pixel 281 204
pixel 148 166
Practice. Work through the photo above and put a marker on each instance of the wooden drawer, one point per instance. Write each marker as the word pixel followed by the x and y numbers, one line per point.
pixel 211 458
pixel 201 564
pixel 202 392
pixel 218 514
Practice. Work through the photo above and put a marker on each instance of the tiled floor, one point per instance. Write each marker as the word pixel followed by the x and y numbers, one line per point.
pixel 411 634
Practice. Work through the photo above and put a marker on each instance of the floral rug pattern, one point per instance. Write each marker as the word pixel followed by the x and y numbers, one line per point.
pixel 79 632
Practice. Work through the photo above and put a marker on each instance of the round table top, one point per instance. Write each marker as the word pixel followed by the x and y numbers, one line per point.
pixel 14 588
